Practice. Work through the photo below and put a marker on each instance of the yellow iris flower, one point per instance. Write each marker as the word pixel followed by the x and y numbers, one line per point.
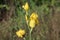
pixel 33 20
pixel 20 33
pixel 26 6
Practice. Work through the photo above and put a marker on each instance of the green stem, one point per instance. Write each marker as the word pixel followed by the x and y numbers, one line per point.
pixel 27 23
pixel 27 16
pixel 30 30
pixel 30 34
pixel 26 13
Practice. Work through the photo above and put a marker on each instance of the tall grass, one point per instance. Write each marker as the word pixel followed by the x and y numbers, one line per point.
pixel 44 11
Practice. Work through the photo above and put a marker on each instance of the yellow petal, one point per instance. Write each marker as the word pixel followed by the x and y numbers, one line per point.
pixel 20 33
pixel 32 23
pixel 34 16
pixel 26 6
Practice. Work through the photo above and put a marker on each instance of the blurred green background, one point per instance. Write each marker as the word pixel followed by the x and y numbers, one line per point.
pixel 12 18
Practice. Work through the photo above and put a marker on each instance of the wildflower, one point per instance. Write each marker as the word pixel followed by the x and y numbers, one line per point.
pixel 33 20
pixel 32 23
pixel 20 33
pixel 26 6
pixel 34 16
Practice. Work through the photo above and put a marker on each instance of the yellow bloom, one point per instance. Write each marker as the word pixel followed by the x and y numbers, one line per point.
pixel 33 20
pixel 32 23
pixel 26 6
pixel 20 33
pixel 34 16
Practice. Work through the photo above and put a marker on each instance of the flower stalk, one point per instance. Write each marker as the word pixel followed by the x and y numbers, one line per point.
pixel 30 33
pixel 32 21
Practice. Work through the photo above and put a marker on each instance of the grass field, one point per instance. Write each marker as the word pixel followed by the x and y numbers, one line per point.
pixel 30 20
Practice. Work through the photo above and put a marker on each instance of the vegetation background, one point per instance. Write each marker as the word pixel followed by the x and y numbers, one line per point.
pixel 12 19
